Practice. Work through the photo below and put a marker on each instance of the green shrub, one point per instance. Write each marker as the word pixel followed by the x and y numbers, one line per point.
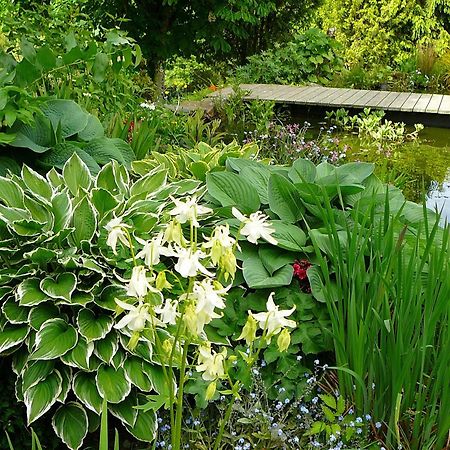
pixel 310 57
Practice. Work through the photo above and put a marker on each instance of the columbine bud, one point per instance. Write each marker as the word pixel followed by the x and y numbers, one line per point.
pixel 210 391
pixel 161 282
pixel 167 347
pixel 284 340
pixel 190 319
pixel 249 330
pixel 174 233
pixel 133 342
pixel 228 264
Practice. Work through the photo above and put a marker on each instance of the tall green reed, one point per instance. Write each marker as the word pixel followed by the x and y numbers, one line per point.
pixel 387 289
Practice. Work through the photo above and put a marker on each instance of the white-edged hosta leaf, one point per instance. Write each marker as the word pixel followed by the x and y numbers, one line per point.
pixel 93 326
pixel 84 222
pixel 27 227
pixel 135 373
pixel 41 313
pixel 85 388
pixel 12 335
pixel 80 298
pixel 36 183
pixel 118 358
pixel 34 372
pixel 61 288
pixel 76 174
pixel 15 313
pixel 19 360
pixel 107 347
pixel 11 193
pixel 62 211
pixel 40 398
pixel 66 375
pixel 29 293
pixel 112 383
pixel 41 255
pixel 70 423
pixel 145 426
pixel 79 355
pixel 156 375
pixel 126 411
pixel 55 338
pixel 107 298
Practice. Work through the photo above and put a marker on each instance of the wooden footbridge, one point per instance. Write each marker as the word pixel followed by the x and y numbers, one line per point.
pixel 435 106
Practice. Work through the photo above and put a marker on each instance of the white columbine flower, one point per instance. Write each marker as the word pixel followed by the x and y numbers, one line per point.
pixel 169 312
pixel 116 232
pixel 138 286
pixel 220 243
pixel 255 227
pixel 211 363
pixel 152 250
pixel 189 210
pixel 188 264
pixel 137 317
pixel 274 320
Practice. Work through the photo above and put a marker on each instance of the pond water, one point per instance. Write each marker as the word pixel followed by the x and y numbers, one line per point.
pixel 424 163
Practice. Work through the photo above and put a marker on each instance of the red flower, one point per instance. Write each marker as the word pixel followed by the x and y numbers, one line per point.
pixel 300 272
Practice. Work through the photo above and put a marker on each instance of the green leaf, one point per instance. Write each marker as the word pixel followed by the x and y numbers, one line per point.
pixel 257 277
pixel 93 326
pixel 302 170
pixel 101 63
pixel 288 236
pixel 134 372
pixel 85 388
pixel 62 210
pixel 284 199
pixel 355 172
pixel 29 293
pixel 40 314
pixel 150 183
pixel 232 190
pixel 15 313
pixel 70 423
pixel 62 152
pixel 103 201
pixel 11 193
pixel 38 136
pixel 55 338
pixel 92 130
pixel 126 411
pixel 274 259
pixel 76 174
pixel 84 222
pixel 36 183
pixel 66 115
pixel 79 356
pixel 329 400
pixel 46 58
pixel 145 426
pixel 112 383
pixel 40 398
pixel 106 348
pixel 36 371
pixel 10 336
pixel 61 288
pixel 329 415
pixel 104 149
pixel 258 177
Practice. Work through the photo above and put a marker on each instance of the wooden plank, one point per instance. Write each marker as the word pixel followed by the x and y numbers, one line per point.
pixel 422 103
pixel 338 93
pixel 316 96
pixel 286 96
pixel 435 102
pixel 360 93
pixel 321 97
pixel 381 95
pixel 444 108
pixel 337 101
pixel 386 102
pixel 364 100
pixel 397 104
pixel 411 102
pixel 306 94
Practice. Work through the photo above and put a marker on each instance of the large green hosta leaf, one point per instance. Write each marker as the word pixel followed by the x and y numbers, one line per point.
pixel 80 355
pixel 70 423
pixel 145 426
pixel 112 383
pixel 85 388
pixel 54 339
pixel 84 222
pixel 60 288
pixel 39 398
pixel 257 276
pixel 11 336
pixel 36 183
pixel 76 174
pixel 284 199
pixel 94 326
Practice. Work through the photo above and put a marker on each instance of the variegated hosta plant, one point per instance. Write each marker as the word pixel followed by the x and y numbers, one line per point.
pixel 61 285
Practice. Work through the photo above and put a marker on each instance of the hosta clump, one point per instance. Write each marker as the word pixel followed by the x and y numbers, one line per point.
pixel 58 287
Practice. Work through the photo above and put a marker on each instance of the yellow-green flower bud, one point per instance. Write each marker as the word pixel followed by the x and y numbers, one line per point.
pixel 228 264
pixel 284 340
pixel 133 342
pixel 174 233
pixel 210 391
pixel 249 331
pixel 190 319
pixel 161 281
